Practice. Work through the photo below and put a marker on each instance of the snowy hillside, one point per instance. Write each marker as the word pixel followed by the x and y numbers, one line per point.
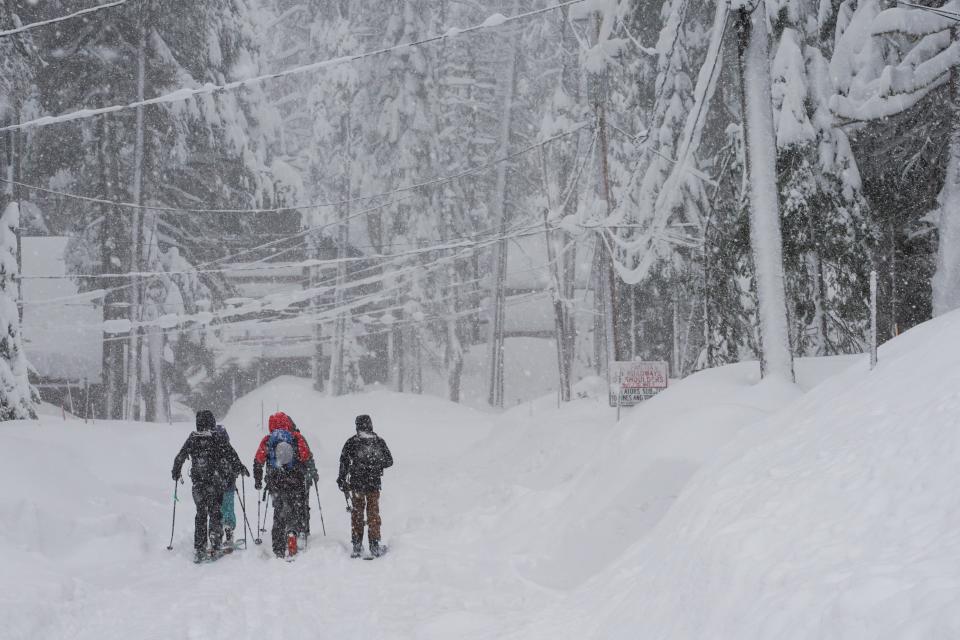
pixel 837 517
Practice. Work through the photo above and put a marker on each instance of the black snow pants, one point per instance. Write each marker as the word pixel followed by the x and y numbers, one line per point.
pixel 305 509
pixel 208 497
pixel 287 514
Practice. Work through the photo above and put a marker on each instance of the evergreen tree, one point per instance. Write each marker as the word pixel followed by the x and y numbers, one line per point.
pixel 903 61
pixel 18 398
pixel 827 234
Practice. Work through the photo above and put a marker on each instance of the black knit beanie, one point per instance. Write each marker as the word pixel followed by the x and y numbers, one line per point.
pixel 364 423
pixel 205 420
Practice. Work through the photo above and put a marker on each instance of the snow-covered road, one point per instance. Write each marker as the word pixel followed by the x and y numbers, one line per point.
pixel 493 520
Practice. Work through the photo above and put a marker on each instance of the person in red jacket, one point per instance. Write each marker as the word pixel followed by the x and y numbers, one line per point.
pixel 285 454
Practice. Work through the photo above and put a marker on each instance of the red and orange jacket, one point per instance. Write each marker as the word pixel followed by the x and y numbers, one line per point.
pixel 280 420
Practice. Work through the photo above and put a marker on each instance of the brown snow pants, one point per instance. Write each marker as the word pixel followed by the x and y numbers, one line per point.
pixel 369 502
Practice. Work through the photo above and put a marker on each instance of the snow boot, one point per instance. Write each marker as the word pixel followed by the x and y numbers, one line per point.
pixel 375 549
pixel 291 544
pixel 228 540
pixel 199 555
pixel 357 550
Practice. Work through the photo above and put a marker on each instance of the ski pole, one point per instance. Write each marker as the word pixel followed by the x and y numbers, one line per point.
pixel 243 506
pixel 257 539
pixel 173 524
pixel 266 509
pixel 323 525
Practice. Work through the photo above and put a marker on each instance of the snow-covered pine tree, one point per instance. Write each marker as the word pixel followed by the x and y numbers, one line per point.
pixel 729 303
pixel 398 147
pixel 659 222
pixel 211 151
pixel 904 60
pixel 333 148
pixel 18 399
pixel 824 214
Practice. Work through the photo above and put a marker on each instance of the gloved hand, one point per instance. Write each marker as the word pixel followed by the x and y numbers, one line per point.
pixel 176 475
pixel 258 485
pixel 315 476
pixel 342 484
pixel 244 471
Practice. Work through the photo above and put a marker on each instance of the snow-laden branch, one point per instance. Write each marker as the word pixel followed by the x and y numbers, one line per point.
pixel 912 22
pixel 642 247
pixel 898 88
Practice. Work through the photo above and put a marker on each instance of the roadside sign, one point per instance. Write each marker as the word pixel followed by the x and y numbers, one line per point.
pixel 634 382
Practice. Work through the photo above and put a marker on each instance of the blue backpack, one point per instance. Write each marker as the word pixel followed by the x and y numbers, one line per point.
pixel 281 451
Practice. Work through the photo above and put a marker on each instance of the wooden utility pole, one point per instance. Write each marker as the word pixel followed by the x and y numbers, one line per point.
pixel 611 304
pixel 495 397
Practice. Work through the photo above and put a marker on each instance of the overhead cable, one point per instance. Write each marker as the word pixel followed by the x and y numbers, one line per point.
pixel 76 14
pixel 494 21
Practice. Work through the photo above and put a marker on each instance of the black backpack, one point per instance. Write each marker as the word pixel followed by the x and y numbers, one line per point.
pixel 207 460
pixel 367 457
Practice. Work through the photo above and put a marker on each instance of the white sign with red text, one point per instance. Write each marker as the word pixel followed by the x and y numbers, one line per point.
pixel 637 381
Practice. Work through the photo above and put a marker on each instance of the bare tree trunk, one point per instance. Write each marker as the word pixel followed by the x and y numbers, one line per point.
pixel 111 261
pixel 316 356
pixel 561 251
pixel 599 308
pixel 761 148
pixel 157 402
pixel 495 397
pixel 337 376
pixel 136 259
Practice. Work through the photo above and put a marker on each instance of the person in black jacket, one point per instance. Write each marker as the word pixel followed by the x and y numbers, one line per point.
pixel 362 461
pixel 213 464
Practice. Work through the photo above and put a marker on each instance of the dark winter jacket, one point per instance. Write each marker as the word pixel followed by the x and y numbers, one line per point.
pixel 362 461
pixel 212 459
pixel 277 479
pixel 221 431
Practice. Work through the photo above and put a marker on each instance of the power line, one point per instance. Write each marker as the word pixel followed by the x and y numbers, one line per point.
pixel 316 205
pixel 332 311
pixel 494 21
pixel 462 242
pixel 943 13
pixel 77 14
pixel 318 290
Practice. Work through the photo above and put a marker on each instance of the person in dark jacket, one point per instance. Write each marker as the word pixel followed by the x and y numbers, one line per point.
pixel 284 454
pixel 227 511
pixel 362 461
pixel 213 462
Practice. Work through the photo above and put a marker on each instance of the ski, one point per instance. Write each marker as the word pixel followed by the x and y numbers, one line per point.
pixel 380 554
pixel 207 557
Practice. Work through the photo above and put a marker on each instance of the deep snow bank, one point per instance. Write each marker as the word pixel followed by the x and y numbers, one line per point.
pixel 838 517
pixel 586 489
